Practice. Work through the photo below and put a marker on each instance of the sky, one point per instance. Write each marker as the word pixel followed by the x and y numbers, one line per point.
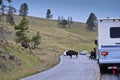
pixel 79 10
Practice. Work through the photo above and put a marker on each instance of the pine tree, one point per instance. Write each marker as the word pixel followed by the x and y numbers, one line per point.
pixel 23 39
pixel 91 21
pixel 21 33
pixel 36 40
pixel 48 14
pixel 21 30
pixel 23 9
pixel 64 22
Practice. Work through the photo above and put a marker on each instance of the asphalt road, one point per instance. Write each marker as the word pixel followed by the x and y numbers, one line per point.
pixel 108 75
pixel 80 68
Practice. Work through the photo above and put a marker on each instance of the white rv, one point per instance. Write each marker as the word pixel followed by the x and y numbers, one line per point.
pixel 108 43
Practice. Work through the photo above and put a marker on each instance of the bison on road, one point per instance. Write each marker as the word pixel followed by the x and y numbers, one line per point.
pixel 70 53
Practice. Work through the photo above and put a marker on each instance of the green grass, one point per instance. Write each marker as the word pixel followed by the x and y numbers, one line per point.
pixel 54 40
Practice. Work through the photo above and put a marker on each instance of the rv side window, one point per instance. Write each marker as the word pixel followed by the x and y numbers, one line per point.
pixel 115 32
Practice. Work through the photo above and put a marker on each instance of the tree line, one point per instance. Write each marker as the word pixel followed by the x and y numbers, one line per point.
pixel 91 21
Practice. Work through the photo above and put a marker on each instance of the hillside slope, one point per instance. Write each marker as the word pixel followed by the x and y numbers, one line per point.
pixel 54 40
pixel 54 35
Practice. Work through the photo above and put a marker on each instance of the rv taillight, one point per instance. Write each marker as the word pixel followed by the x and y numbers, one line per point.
pixel 104 53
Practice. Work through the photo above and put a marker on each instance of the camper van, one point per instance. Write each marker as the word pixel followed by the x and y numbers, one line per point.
pixel 108 43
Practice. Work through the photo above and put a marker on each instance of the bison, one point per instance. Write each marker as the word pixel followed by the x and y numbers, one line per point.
pixel 70 53
pixel 25 45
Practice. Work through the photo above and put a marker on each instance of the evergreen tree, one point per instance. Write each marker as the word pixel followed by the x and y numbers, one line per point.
pixel 23 39
pixel 91 21
pixel 36 40
pixel 21 33
pixel 64 22
pixel 48 14
pixel 21 30
pixel 23 9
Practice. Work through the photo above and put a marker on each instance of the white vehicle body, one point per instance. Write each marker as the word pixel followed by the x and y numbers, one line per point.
pixel 108 44
pixel 83 52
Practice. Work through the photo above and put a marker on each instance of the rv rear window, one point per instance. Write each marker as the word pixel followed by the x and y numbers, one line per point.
pixel 115 32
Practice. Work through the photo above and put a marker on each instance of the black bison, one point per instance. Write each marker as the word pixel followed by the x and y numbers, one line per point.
pixel 71 52
pixel 25 45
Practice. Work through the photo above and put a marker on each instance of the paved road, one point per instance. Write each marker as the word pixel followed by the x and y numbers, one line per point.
pixel 108 75
pixel 80 68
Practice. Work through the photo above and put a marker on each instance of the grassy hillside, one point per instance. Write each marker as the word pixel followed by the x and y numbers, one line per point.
pixel 54 40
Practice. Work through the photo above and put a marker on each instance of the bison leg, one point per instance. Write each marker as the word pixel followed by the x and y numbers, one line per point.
pixel 76 55
pixel 70 56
